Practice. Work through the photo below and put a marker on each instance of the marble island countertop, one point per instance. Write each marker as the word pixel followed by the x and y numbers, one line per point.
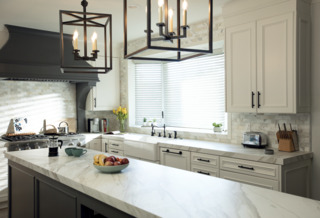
pixel 150 190
pixel 217 148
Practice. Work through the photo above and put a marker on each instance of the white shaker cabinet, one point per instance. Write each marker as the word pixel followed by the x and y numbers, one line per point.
pixel 94 144
pixel 268 57
pixel 175 158
pixel 106 94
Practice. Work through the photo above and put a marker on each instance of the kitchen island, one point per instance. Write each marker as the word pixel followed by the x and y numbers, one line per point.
pixel 143 190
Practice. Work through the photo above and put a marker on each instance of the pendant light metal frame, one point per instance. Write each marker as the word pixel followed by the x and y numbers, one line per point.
pixel 166 36
pixel 86 19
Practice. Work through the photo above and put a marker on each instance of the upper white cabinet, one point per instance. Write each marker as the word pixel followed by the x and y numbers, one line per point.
pixel 267 56
pixel 106 94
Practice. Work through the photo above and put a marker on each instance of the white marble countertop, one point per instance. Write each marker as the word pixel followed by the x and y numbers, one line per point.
pixel 150 190
pixel 216 148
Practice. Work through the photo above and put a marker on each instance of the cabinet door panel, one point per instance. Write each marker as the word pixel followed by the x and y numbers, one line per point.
pixel 175 158
pixel 22 194
pixel 53 202
pixel 250 180
pixel 241 67
pixel 275 70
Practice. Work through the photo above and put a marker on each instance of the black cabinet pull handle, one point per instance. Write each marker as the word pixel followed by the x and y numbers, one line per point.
pixel 105 147
pixel 199 159
pixel 259 105
pixel 252 99
pixel 95 102
pixel 203 173
pixel 247 168
pixel 115 152
pixel 115 144
pixel 168 151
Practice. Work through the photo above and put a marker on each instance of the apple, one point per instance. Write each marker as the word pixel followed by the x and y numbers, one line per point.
pixel 111 158
pixel 124 161
pixel 116 163
pixel 108 163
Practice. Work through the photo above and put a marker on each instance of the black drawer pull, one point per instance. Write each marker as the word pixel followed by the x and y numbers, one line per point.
pixel 252 99
pixel 168 151
pixel 248 168
pixel 115 152
pixel 259 105
pixel 115 144
pixel 203 173
pixel 199 159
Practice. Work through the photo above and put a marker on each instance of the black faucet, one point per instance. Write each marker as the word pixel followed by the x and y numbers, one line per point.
pixel 164 130
pixel 175 134
pixel 153 132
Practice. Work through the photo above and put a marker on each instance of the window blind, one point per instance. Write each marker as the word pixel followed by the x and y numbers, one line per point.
pixel 191 93
pixel 194 92
pixel 148 92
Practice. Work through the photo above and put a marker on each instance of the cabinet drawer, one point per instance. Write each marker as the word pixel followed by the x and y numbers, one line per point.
pixel 205 160
pixel 270 171
pixel 250 180
pixel 115 144
pixel 115 152
pixel 205 170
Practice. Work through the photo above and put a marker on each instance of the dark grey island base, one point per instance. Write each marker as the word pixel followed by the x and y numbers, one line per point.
pixel 32 195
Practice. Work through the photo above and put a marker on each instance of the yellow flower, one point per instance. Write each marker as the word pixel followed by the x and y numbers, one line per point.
pixel 119 108
pixel 114 111
pixel 124 110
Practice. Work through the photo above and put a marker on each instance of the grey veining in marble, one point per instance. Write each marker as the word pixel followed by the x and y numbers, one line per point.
pixel 221 149
pixel 150 190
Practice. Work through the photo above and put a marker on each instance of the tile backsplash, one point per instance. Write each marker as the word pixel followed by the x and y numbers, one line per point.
pixel 53 101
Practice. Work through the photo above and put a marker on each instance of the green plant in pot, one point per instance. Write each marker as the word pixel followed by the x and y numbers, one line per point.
pixel 144 121
pixel 217 127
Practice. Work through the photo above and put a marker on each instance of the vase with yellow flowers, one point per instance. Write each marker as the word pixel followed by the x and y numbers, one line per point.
pixel 122 115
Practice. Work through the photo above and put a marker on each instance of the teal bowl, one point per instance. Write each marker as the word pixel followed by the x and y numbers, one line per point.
pixel 111 169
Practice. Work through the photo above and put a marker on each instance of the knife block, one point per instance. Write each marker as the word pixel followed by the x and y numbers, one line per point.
pixel 288 141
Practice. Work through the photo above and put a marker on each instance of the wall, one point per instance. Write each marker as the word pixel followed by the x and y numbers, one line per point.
pixel 53 101
pixel 315 110
pixel 239 123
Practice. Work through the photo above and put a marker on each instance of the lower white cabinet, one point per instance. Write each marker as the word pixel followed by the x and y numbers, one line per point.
pixel 206 164
pixel 94 144
pixel 250 180
pixel 115 152
pixel 175 158
pixel 115 147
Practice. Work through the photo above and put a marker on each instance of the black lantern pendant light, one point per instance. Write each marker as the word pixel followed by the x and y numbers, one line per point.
pixel 85 60
pixel 166 32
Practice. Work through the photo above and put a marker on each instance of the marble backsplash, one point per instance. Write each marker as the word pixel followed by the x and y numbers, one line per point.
pixel 53 101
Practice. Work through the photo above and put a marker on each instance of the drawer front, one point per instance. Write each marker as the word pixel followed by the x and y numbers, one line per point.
pixel 205 170
pixel 250 180
pixel 205 160
pixel 115 144
pixel 253 168
pixel 115 152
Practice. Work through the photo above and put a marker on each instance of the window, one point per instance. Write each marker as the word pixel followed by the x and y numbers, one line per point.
pixel 191 93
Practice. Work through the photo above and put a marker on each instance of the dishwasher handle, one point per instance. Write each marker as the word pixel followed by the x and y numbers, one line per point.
pixel 171 152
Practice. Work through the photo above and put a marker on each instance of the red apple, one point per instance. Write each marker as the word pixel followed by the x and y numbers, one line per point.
pixel 111 158
pixel 108 163
pixel 124 161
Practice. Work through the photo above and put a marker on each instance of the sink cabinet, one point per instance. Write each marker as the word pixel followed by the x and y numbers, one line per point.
pixel 268 56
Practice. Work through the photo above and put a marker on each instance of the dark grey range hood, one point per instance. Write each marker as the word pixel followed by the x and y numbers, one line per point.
pixel 34 55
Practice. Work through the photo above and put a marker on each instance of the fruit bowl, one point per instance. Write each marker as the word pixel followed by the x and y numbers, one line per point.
pixel 111 169
pixel 109 164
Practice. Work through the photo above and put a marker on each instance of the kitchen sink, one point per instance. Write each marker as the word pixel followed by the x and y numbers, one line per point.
pixel 147 150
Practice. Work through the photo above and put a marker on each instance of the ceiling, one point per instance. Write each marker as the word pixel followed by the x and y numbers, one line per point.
pixel 44 14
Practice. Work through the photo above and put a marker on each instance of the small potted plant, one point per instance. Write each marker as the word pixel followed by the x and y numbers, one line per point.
pixel 217 127
pixel 144 121
pixel 154 122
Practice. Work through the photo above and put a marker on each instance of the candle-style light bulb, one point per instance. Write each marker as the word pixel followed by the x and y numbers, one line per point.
pixel 160 4
pixel 184 14
pixel 75 40
pixel 94 41
pixel 170 13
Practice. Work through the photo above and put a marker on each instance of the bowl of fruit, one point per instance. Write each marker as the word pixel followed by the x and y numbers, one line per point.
pixel 109 164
